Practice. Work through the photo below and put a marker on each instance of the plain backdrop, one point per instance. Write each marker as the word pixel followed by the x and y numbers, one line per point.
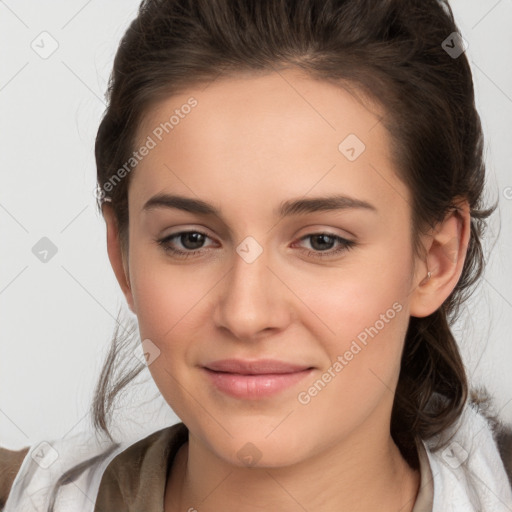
pixel 57 317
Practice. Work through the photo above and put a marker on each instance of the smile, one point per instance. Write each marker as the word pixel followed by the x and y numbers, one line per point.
pixel 251 386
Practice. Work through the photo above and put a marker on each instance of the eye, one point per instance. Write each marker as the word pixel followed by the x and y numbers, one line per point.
pixel 192 243
pixel 320 240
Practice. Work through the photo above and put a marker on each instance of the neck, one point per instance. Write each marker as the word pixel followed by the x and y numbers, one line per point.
pixel 361 475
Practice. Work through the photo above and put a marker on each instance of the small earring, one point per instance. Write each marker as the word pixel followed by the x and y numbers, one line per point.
pixel 427 278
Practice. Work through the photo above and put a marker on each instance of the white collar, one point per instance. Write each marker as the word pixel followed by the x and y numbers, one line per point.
pixel 469 474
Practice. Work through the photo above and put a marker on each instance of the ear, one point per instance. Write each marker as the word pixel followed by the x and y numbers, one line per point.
pixel 446 252
pixel 116 255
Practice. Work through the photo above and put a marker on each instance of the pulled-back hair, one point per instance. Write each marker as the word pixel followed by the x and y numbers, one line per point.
pixel 392 52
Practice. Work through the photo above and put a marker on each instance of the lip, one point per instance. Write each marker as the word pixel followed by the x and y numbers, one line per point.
pixel 255 367
pixel 254 379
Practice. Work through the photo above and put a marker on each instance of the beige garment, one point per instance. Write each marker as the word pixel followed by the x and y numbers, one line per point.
pixel 135 479
pixel 10 462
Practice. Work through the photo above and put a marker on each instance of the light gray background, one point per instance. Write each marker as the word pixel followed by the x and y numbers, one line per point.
pixel 57 317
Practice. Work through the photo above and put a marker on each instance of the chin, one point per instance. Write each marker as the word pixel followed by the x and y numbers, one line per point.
pixel 256 448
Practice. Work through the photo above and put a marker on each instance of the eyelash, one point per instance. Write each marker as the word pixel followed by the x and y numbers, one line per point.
pixel 345 245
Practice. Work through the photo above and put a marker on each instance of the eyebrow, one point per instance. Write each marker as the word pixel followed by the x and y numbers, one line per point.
pixel 285 209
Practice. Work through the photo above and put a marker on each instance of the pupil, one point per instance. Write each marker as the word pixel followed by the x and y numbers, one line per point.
pixel 322 237
pixel 191 236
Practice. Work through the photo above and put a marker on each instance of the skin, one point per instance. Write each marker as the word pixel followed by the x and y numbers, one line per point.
pixel 251 143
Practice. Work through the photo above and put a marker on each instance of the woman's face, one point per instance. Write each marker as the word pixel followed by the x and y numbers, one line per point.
pixel 263 283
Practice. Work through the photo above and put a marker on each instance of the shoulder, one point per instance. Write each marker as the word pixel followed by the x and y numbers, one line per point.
pixel 36 477
pixel 482 403
pixel 159 442
pixel 10 463
pixel 469 462
pixel 35 473
pixel 137 474
pixel 502 435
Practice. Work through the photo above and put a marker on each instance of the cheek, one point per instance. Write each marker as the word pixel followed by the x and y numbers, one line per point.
pixel 362 328
pixel 165 299
pixel 360 314
pixel 168 305
pixel 344 302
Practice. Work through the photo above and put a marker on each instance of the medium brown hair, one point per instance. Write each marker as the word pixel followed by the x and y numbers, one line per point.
pixel 392 52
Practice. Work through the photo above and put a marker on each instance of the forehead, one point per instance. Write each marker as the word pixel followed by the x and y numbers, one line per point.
pixel 272 136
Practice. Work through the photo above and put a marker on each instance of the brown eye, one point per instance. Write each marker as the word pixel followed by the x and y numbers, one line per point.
pixel 321 240
pixel 191 242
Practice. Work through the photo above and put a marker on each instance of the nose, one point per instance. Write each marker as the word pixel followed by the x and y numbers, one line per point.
pixel 252 299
